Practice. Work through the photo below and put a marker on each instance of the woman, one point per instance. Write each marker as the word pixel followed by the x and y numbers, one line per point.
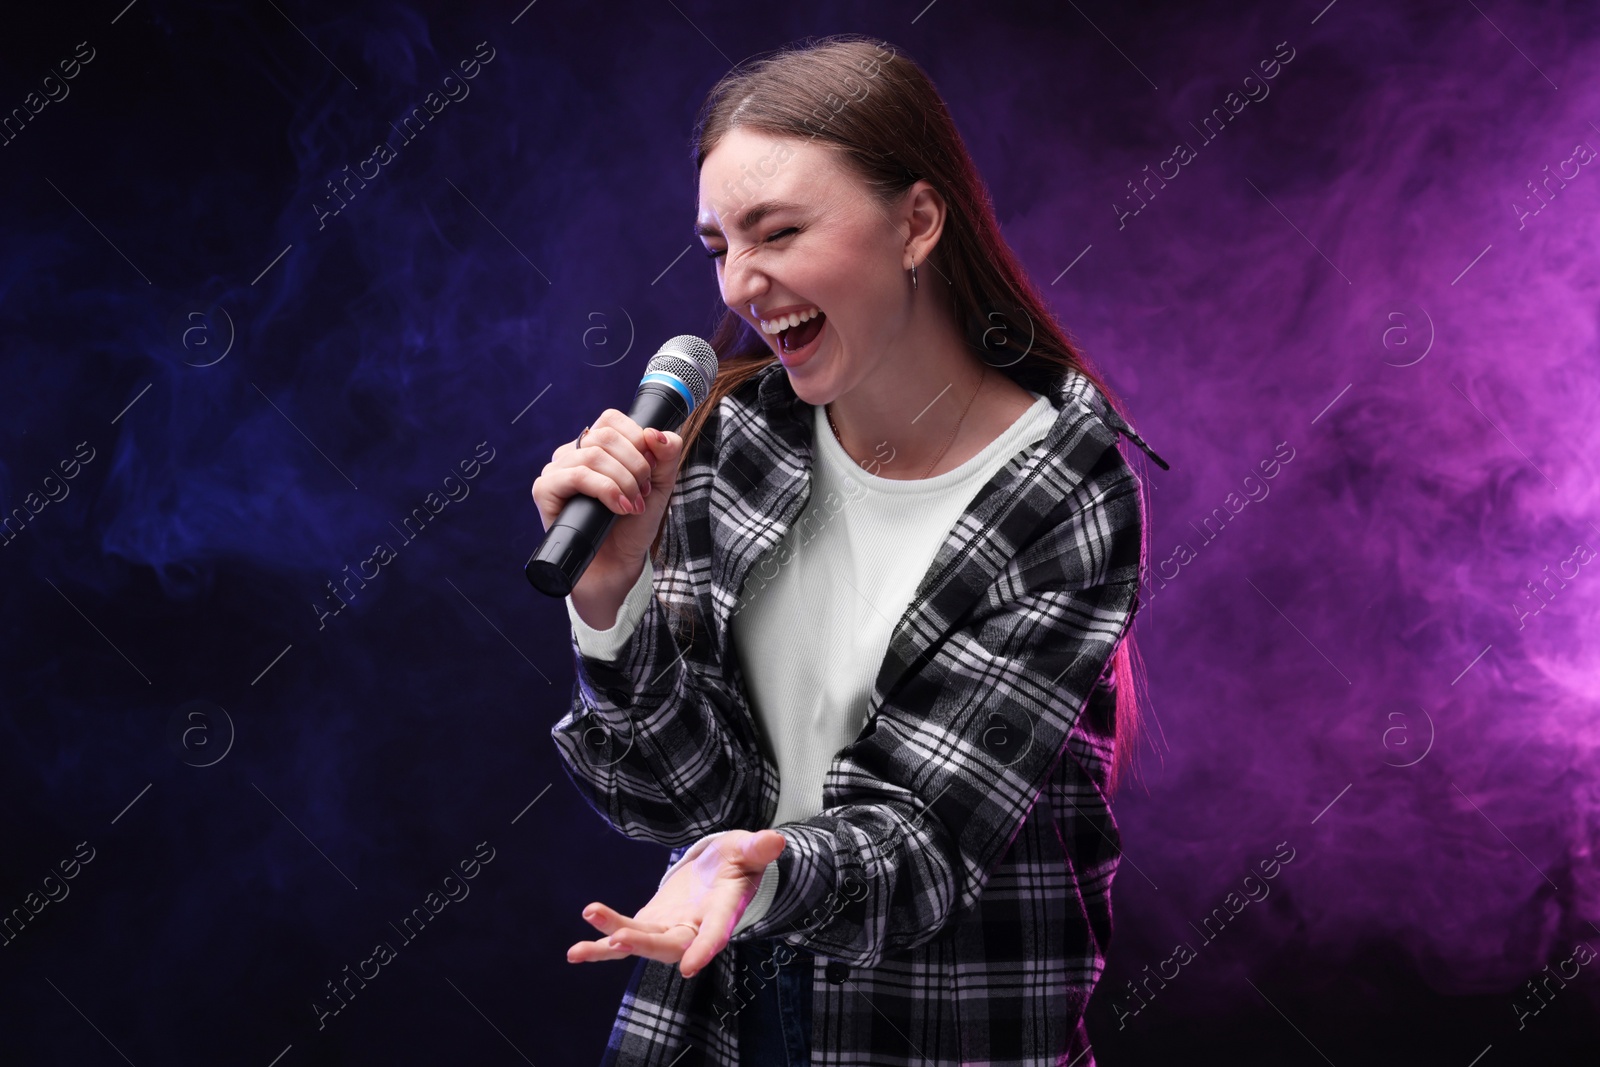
pixel 867 673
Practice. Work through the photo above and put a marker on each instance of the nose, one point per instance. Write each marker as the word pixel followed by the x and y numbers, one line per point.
pixel 743 283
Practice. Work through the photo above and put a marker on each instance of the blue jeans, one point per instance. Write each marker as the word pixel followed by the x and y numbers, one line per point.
pixel 775 1023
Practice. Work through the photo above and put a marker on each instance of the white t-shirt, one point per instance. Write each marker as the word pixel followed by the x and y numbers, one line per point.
pixel 814 628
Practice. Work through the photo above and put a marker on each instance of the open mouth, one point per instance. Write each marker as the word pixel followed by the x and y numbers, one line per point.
pixel 797 338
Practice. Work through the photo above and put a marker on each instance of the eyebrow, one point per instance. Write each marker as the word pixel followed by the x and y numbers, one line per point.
pixel 751 217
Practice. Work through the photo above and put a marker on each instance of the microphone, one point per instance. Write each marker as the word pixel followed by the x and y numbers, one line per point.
pixel 676 380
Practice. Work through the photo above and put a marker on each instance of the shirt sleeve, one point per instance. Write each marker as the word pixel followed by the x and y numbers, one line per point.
pixel 656 738
pixel 607 644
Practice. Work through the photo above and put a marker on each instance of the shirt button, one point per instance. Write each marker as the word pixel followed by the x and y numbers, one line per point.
pixel 837 972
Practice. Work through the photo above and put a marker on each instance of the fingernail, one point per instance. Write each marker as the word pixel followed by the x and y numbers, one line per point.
pixel 661 438
pixel 646 488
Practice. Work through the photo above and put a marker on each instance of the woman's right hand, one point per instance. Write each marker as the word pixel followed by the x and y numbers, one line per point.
pixel 630 470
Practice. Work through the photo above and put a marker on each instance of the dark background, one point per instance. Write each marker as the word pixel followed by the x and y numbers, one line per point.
pixel 1354 666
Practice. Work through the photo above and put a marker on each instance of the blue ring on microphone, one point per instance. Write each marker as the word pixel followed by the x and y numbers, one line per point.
pixel 672 380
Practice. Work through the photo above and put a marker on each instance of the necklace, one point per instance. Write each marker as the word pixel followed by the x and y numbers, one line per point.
pixel 834 426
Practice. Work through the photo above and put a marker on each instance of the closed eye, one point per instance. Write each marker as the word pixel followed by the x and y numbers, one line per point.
pixel 718 253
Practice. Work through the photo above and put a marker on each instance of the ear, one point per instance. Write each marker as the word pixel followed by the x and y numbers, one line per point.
pixel 922 220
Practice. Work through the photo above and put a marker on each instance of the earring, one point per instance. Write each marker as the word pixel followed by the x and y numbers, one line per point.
pixel 913 277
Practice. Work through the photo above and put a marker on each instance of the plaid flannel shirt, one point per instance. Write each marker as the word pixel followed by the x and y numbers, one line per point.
pixel 955 888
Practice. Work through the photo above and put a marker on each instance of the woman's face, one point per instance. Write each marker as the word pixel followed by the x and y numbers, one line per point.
pixel 792 231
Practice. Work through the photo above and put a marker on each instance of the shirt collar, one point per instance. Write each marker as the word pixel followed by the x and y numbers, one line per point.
pixel 784 409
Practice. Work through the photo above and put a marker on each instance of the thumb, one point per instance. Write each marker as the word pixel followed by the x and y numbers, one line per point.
pixel 762 847
pixel 666 452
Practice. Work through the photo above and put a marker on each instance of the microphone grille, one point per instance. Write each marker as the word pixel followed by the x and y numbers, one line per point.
pixel 691 360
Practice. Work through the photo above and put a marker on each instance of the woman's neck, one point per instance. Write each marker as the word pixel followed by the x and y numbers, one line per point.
pixel 942 414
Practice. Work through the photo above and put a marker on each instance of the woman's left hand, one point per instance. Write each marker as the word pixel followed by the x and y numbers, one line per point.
pixel 711 891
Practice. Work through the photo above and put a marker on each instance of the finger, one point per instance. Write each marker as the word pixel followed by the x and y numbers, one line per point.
pixel 664 947
pixel 617 419
pixel 559 482
pixel 611 454
pixel 730 853
pixel 712 939
pixel 599 477
pixel 760 849
pixel 594 951
pixel 663 445
pixel 664 450
pixel 625 441
pixel 609 920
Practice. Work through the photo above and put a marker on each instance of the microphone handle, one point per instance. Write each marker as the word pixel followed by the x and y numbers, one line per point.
pixel 569 546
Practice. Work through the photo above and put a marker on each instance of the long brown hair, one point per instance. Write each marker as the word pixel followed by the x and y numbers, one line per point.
pixel 881 113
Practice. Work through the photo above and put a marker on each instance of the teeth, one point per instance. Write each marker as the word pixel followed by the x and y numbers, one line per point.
pixel 786 322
